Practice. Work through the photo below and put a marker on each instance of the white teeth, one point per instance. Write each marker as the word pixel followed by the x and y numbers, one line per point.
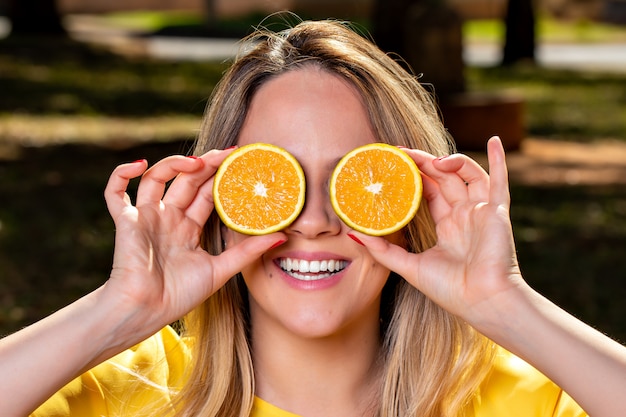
pixel 323 268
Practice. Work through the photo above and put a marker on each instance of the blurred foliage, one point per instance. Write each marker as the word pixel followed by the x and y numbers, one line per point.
pixel 569 105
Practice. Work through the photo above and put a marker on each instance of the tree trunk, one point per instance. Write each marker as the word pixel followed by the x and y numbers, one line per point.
pixel 519 42
pixel 211 14
pixel 388 23
pixel 35 17
pixel 427 34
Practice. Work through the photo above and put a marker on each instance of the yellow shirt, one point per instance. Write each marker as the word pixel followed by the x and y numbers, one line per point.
pixel 148 374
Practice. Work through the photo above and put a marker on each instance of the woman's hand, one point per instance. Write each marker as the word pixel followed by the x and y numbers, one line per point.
pixel 473 262
pixel 472 272
pixel 159 269
pixel 160 272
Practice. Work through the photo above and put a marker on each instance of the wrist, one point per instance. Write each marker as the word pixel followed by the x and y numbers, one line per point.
pixel 506 317
pixel 116 323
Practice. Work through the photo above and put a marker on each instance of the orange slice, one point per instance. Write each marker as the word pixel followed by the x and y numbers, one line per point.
pixel 259 189
pixel 376 189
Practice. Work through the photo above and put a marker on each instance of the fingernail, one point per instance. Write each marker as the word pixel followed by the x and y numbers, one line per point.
pixel 442 157
pixel 230 147
pixel 192 157
pixel 277 244
pixel 356 239
pixel 401 147
pixel 138 161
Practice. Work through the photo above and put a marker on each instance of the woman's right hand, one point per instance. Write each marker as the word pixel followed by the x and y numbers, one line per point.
pixel 160 271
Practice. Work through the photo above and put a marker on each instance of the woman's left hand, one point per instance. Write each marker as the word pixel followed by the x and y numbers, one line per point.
pixel 473 263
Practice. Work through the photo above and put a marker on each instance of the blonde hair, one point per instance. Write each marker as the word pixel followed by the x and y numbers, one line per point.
pixel 433 362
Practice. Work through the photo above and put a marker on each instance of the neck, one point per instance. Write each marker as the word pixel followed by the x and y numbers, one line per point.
pixel 335 375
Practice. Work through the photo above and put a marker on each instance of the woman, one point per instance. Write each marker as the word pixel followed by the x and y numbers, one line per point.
pixel 404 325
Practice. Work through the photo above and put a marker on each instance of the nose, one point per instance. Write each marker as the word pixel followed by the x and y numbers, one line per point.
pixel 317 217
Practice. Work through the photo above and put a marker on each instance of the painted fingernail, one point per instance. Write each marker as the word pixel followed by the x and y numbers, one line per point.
pixel 442 157
pixel 401 147
pixel 230 147
pixel 138 161
pixel 192 157
pixel 356 239
pixel 277 244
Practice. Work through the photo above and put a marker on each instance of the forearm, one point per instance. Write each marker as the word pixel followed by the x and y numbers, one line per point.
pixel 38 360
pixel 585 363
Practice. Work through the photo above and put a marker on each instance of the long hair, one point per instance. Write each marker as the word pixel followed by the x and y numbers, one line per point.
pixel 432 361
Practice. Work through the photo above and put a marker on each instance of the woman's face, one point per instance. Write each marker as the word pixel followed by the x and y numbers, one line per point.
pixel 336 285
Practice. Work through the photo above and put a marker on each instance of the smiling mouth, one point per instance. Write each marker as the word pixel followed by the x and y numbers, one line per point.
pixel 311 270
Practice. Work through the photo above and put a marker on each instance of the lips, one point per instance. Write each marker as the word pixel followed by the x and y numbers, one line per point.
pixel 310 270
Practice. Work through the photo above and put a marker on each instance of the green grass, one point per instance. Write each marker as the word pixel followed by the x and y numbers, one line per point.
pixel 189 23
pixel 148 21
pixel 571 243
pixel 548 30
pixel 484 30
pixel 568 105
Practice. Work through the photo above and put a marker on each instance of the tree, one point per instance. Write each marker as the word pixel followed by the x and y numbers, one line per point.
pixel 519 40
pixel 35 17
pixel 427 34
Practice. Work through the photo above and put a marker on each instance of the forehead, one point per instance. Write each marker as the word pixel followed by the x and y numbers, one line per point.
pixel 310 112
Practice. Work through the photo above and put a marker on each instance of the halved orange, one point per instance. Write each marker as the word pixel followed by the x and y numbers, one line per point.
pixel 376 189
pixel 259 189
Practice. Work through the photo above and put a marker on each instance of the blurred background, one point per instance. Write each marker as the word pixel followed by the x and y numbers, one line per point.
pixel 88 84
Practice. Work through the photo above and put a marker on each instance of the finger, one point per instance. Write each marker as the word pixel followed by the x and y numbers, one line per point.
pixel 202 204
pixel 235 258
pixel 437 204
pixel 452 187
pixel 194 192
pixel 115 192
pixel 152 185
pixel 499 193
pixel 184 188
pixel 393 257
pixel 463 177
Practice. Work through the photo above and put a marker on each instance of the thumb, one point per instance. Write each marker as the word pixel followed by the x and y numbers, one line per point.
pixel 235 258
pixel 390 255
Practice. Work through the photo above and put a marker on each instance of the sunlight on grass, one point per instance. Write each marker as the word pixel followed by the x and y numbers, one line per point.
pixel 153 20
pixel 36 130
pixel 579 31
pixel 483 30
pixel 548 30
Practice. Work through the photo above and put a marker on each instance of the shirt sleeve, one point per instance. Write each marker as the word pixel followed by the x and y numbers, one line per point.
pixel 137 381
pixel 516 389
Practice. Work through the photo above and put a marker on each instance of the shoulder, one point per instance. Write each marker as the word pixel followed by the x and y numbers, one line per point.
pixel 139 377
pixel 514 388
